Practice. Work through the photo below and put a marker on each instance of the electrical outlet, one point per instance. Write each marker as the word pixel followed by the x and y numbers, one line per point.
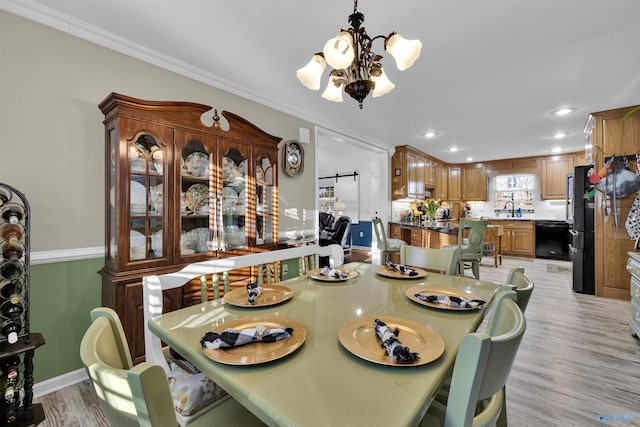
pixel 285 269
pixel 362 234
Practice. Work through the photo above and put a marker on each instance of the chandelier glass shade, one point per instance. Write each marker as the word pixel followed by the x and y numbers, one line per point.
pixel 356 68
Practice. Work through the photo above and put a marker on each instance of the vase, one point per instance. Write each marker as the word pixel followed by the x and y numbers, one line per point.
pixel 432 221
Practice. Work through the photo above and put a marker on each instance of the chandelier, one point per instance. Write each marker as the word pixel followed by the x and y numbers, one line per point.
pixel 354 64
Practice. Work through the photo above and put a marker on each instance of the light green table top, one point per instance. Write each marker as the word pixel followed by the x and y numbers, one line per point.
pixel 321 383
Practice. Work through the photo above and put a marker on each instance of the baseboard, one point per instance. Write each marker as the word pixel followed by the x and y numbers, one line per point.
pixel 59 382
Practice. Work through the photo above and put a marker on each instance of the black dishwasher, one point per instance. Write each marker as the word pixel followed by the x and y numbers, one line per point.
pixel 552 240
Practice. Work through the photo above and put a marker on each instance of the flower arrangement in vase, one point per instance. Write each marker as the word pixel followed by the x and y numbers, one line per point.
pixel 430 208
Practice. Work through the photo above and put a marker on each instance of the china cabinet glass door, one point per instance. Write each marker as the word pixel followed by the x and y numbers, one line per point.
pixel 236 195
pixel 197 207
pixel 266 198
pixel 147 186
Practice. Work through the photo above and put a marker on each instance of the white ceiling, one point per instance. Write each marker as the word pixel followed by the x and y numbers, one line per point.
pixel 490 74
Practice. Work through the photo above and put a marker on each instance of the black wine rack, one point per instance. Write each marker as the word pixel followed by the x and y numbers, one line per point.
pixel 17 342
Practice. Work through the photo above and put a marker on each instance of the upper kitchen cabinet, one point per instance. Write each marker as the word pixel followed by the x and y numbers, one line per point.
pixel 430 172
pixel 454 183
pixel 474 182
pixel 553 176
pixel 408 173
pixel 178 191
pixel 441 190
pixel 613 137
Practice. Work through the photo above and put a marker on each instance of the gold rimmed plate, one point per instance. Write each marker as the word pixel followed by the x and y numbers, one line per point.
pixel 271 295
pixel 258 352
pixel 315 274
pixel 395 274
pixel 440 290
pixel 359 337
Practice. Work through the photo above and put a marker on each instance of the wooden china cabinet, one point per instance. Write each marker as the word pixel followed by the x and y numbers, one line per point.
pixel 180 191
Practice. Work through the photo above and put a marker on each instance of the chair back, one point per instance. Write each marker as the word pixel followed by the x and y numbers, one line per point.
pixel 105 355
pixel 153 286
pixel 483 364
pixel 522 285
pixel 326 220
pixel 443 261
pixel 381 234
pixel 473 245
pixel 342 229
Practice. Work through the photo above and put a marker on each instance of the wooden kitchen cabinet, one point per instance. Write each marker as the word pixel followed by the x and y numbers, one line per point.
pixel 408 173
pixel 553 176
pixel 518 237
pixel 454 183
pixel 612 243
pixel 441 191
pixel 474 182
pixel 430 173
pixel 178 191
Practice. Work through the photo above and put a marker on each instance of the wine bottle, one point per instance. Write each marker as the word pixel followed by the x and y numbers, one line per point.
pixel 11 269
pixel 5 195
pixel 10 372
pixel 11 289
pixel 11 322
pixel 11 232
pixel 12 250
pixel 12 212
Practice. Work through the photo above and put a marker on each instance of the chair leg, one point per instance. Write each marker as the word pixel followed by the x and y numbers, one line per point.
pixel 475 268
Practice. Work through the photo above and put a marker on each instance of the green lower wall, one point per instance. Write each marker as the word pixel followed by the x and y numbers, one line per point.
pixel 62 295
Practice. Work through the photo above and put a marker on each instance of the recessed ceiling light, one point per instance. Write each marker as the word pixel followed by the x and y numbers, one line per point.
pixel 453 149
pixel 556 149
pixel 469 159
pixel 430 134
pixel 559 135
pixel 563 111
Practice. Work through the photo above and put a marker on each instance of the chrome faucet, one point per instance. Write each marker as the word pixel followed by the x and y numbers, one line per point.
pixel 513 208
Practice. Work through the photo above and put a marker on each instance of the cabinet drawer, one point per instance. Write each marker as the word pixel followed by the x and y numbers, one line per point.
pixel 635 317
pixel 635 289
pixel 416 238
pixel 633 267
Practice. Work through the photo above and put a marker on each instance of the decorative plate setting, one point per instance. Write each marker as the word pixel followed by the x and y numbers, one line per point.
pixel 197 164
pixel 271 295
pixel 315 274
pixel 258 352
pixel 395 274
pixel 196 197
pixel 359 337
pixel 440 290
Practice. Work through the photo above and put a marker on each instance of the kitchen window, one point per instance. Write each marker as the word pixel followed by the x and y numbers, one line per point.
pixel 518 189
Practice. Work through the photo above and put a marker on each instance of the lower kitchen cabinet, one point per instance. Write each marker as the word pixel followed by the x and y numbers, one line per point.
pixel 518 237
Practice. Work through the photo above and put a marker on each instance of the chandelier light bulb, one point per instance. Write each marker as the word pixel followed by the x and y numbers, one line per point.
pixel 339 51
pixel 333 92
pixel 310 74
pixel 404 51
pixel 383 84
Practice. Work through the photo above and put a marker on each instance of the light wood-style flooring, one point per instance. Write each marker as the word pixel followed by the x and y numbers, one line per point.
pixel 577 361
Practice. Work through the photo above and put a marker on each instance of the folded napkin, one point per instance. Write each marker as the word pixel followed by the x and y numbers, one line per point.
pixel 333 272
pixel 401 268
pixel 254 290
pixel 452 300
pixel 391 343
pixel 237 337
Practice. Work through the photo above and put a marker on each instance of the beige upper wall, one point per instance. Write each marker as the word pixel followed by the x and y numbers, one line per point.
pixel 51 132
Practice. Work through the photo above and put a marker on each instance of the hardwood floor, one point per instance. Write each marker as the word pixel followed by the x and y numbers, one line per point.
pixel 577 361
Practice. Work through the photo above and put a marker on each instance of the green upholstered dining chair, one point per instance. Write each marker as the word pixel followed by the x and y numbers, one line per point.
pixel 521 284
pixel 483 363
pixel 140 395
pixel 385 246
pixel 444 261
pixel 472 246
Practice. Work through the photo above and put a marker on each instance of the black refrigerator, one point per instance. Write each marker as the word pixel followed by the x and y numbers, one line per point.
pixel 580 213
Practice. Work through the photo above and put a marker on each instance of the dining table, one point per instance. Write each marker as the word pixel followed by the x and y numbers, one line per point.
pixel 335 374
